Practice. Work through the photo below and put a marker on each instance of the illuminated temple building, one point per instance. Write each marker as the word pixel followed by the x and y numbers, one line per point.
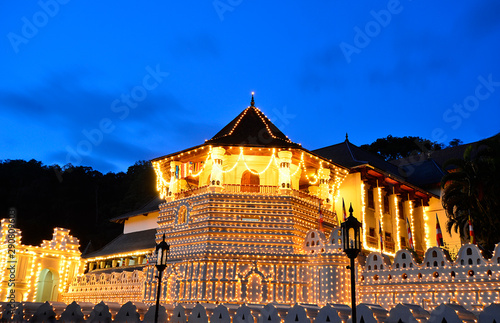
pixel 252 217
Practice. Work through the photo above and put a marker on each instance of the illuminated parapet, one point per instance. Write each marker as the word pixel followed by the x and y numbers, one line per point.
pixel 61 240
pixel 8 233
pixel 470 280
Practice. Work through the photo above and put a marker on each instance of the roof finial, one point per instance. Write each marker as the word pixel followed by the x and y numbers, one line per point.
pixel 346 137
pixel 252 103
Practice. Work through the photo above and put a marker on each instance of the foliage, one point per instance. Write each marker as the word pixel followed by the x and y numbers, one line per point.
pixel 74 197
pixel 472 188
pixel 400 147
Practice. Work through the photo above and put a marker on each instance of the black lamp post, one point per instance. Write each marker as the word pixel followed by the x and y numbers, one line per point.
pixel 351 234
pixel 162 250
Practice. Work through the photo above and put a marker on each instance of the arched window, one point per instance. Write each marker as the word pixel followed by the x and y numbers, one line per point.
pixel 250 182
pixel 403 256
pixel 182 216
pixel 469 251
pixel 434 254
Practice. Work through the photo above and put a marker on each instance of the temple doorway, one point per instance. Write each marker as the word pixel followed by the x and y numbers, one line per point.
pixel 47 286
pixel 250 182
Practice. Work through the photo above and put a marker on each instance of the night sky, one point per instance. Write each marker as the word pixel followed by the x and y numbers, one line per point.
pixel 108 83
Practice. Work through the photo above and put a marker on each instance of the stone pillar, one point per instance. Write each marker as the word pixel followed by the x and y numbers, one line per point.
pixel 418 221
pixel 379 200
pixel 285 160
pixel 408 209
pixel 216 176
pixel 204 281
pixel 396 221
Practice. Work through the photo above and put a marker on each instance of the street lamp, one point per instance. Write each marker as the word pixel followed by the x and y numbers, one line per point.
pixel 351 243
pixel 162 250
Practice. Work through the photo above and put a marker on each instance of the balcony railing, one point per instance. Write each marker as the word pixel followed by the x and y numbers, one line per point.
pixel 250 189
pixel 372 241
pixel 389 246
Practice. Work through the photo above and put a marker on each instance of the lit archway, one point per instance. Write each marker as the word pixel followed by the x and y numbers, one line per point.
pixel 48 283
pixel 254 289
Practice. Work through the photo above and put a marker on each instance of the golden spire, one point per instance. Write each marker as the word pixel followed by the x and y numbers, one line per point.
pixel 252 103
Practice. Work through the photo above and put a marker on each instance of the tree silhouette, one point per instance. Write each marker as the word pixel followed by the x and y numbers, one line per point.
pixel 74 197
pixel 472 189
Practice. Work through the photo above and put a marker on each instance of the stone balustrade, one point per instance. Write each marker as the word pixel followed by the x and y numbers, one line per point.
pixel 205 313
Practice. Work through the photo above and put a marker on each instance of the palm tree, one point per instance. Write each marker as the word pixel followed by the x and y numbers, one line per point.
pixel 472 189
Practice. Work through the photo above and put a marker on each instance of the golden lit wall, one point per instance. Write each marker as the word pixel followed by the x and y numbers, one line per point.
pixel 37 274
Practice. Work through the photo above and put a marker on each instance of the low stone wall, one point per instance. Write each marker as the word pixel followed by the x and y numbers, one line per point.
pixel 204 313
pixel 471 280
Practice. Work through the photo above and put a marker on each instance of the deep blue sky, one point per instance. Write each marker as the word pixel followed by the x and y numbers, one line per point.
pixel 65 69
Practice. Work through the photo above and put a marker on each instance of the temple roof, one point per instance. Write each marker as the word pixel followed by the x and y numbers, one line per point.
pixel 349 155
pixel 152 206
pixel 252 128
pixel 128 242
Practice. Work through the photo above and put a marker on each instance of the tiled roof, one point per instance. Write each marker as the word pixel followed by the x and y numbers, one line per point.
pixel 349 155
pixel 151 206
pixel 139 240
pixel 424 173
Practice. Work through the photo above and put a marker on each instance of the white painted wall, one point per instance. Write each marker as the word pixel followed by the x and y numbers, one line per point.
pixel 141 223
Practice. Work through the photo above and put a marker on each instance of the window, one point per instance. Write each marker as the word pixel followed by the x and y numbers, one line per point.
pixel 403 256
pixel 386 203
pixel 388 236
pixel 401 210
pixel 469 251
pixel 182 215
pixel 371 201
pixel 403 242
pixel 371 233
